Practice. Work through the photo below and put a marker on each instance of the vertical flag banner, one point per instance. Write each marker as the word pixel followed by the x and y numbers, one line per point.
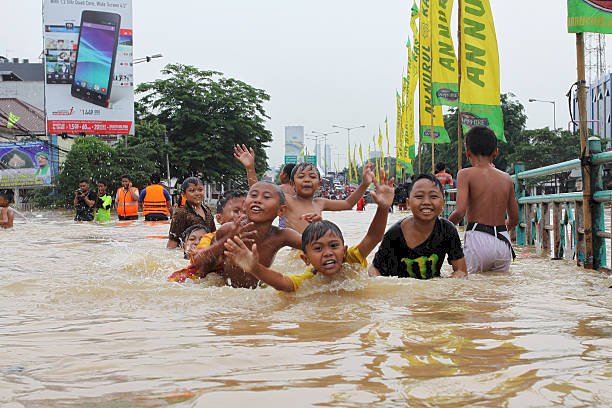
pixel 479 100
pixel 355 164
pixel 589 16
pixel 89 85
pixel 428 113
pixel 445 68
pixel 348 164
pixel 361 155
pixel 399 126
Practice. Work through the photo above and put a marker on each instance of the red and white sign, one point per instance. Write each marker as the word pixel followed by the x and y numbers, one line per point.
pixel 89 127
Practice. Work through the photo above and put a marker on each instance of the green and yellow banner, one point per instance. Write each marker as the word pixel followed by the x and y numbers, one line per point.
pixel 445 69
pixel 589 16
pixel 479 102
pixel 430 116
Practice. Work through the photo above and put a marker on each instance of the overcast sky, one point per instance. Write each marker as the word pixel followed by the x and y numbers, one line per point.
pixel 325 62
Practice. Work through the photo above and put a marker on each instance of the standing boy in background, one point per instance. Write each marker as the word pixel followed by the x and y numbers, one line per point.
pixel 485 195
pixel 6 212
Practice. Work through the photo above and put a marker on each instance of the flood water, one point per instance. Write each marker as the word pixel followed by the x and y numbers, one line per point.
pixel 87 319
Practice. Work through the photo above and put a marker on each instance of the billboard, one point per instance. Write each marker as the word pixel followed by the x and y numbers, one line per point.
pixel 294 141
pixel 89 86
pixel 25 164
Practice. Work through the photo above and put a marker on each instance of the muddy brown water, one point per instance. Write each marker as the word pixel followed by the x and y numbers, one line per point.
pixel 87 319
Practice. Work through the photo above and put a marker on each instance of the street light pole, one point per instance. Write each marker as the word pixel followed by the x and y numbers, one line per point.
pixel 554 110
pixel 325 134
pixel 348 137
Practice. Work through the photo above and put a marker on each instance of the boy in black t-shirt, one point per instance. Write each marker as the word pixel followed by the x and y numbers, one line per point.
pixel 416 246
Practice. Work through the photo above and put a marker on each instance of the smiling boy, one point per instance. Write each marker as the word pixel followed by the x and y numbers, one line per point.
pixel 323 246
pixel 416 246
pixel 264 202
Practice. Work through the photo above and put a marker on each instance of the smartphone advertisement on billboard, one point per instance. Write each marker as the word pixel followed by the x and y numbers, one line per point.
pixel 25 164
pixel 89 86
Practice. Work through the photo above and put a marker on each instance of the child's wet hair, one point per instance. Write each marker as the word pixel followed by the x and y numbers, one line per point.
pixel 481 141
pixel 287 169
pixel 227 197
pixel 430 177
pixel 188 231
pixel 317 229
pixel 190 180
pixel 304 166
pixel 279 191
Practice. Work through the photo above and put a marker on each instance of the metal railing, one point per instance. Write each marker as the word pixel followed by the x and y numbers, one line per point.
pixel 560 215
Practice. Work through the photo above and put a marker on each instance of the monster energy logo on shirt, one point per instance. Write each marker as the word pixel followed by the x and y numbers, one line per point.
pixel 427 266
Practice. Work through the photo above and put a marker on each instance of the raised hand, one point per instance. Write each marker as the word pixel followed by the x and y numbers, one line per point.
pixel 368 175
pixel 238 253
pixel 311 217
pixel 383 196
pixel 244 155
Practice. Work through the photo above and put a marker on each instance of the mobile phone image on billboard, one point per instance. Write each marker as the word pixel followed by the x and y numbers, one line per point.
pixel 95 57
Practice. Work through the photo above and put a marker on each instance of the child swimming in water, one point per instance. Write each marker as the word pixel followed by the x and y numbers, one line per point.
pixel 322 244
pixel 306 180
pixel 264 202
pixel 7 214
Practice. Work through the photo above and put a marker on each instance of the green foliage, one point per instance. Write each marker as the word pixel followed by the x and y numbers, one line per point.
pixel 205 115
pixel 89 159
pixel 514 125
pixel 541 147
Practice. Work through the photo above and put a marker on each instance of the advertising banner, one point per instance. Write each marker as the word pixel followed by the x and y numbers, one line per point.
pixel 25 164
pixel 89 86
pixel 589 16
pixel 479 99
pixel 431 119
pixel 445 72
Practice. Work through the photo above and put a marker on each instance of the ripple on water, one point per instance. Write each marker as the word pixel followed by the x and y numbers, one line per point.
pixel 88 319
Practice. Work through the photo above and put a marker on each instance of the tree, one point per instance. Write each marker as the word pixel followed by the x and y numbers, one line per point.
pixel 514 124
pixel 89 159
pixel 205 115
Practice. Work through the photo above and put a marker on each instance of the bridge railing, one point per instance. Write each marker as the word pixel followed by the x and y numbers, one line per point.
pixel 554 223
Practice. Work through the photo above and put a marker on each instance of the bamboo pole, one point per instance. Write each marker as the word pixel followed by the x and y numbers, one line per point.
pixel 459 124
pixel 585 154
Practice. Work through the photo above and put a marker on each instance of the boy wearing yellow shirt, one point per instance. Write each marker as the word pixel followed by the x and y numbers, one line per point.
pixel 322 244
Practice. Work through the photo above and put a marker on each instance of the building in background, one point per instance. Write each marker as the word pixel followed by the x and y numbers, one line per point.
pixel 294 143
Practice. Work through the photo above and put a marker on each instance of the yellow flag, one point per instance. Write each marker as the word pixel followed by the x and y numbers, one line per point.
pixel 430 116
pixel 479 103
pixel 399 140
pixel 348 164
pixel 388 143
pixel 361 155
pixel 445 90
pixel 355 164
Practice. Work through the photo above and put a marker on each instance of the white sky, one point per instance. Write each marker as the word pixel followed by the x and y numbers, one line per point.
pixel 325 62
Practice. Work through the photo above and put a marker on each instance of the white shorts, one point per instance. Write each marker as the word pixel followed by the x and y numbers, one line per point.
pixel 486 253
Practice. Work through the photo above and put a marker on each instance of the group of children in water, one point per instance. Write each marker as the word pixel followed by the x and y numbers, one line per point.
pixel 243 248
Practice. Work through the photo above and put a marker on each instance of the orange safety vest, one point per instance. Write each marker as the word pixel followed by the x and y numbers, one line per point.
pixel 154 201
pixel 126 205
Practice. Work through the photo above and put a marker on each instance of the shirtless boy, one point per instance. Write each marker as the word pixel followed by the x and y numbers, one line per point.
pixel 486 195
pixel 263 203
pixel 306 180
pixel 6 213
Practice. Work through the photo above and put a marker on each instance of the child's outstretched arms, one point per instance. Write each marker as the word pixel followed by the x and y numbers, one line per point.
pixel 383 196
pixel 246 156
pixel 341 205
pixel 248 260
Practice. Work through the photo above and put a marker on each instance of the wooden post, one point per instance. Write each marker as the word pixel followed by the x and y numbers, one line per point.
pixel 459 122
pixel 585 155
